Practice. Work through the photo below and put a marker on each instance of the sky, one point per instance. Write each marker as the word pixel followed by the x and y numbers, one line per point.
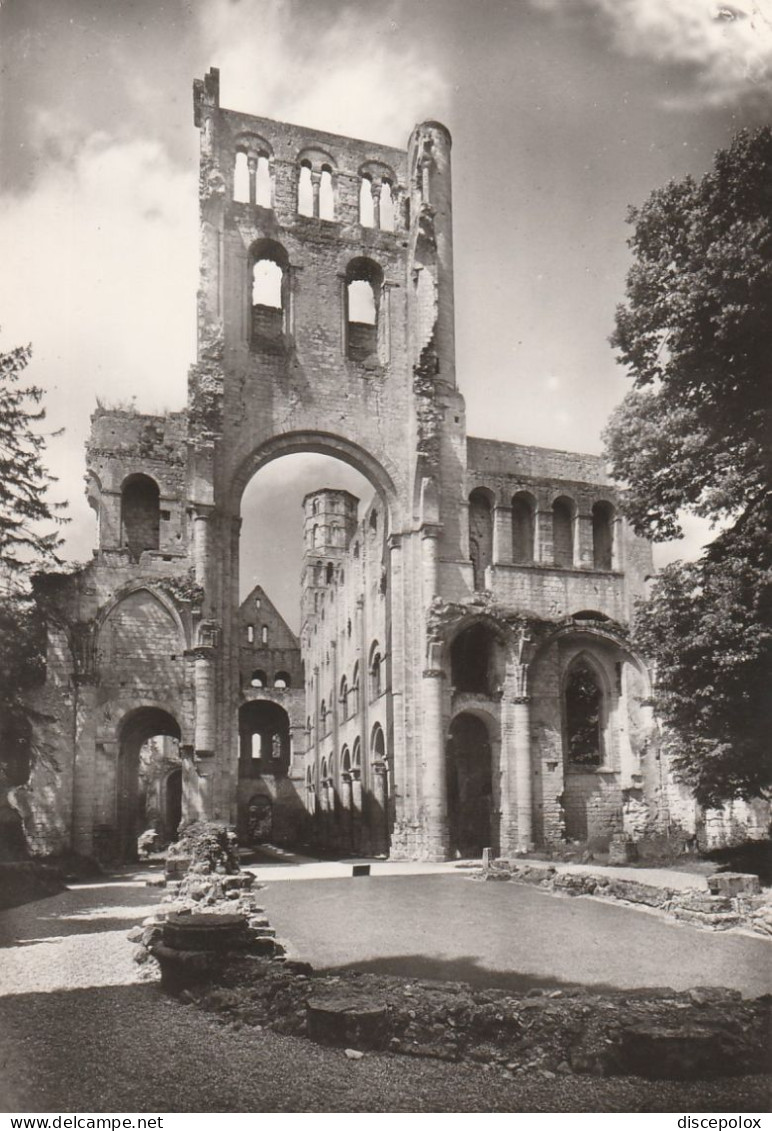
pixel 563 113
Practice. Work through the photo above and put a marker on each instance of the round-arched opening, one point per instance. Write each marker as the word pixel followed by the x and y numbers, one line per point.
pixel 148 752
pixel 470 786
pixel 563 513
pixel 523 528
pixel 140 515
pixel 480 535
pixel 603 535
pixel 264 737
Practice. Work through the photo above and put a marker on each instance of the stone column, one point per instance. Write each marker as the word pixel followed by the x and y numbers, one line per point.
pixel 204 681
pixel 356 808
pixel 316 180
pixel 434 781
pixel 375 189
pixel 430 561
pixel 252 166
pixel 346 806
pixel 381 801
pixel 202 546
pixel 521 717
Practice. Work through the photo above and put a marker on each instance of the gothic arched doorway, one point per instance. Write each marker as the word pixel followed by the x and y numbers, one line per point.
pixel 470 786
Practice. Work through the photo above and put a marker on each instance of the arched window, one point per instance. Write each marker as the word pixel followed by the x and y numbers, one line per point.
pixel 323 717
pixel 376 671
pixel 364 280
pixel 355 690
pixel 259 678
pixel 603 535
pixel 250 634
pixel 523 528
pixel 305 190
pixel 345 760
pixel 264 634
pixel 366 203
pixel 344 697
pixel 386 208
pixel 480 535
pixel 268 292
pixel 140 515
pixel 329 573
pixel 281 681
pixel 563 531
pixel 264 730
pixel 584 715
pixel 241 178
pixel 356 758
pixel 326 195
pixel 377 745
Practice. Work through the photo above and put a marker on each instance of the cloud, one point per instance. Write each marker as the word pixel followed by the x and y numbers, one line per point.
pixel 350 69
pixel 727 46
pixel 100 269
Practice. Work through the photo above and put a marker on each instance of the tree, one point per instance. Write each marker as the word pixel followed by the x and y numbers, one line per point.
pixel 25 546
pixel 694 434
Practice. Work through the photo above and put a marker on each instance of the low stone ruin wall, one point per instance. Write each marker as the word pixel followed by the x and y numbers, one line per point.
pixel 731 899
pixel 659 1034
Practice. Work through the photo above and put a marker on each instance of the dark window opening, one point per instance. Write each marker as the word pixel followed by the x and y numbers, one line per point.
pixel 480 536
pixel 259 679
pixel 603 535
pixel 584 706
pixel 140 515
pixel 282 681
pixel 563 532
pixel 264 732
pixel 523 529
pixel 473 660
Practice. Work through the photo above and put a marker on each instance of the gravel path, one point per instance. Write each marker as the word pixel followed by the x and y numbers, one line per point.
pixel 79 1034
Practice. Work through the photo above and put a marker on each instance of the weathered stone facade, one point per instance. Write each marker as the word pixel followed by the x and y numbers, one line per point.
pixel 463 677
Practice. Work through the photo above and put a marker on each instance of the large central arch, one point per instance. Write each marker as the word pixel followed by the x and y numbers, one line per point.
pixel 319 443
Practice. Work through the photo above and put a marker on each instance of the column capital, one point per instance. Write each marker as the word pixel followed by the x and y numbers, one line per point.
pixel 431 530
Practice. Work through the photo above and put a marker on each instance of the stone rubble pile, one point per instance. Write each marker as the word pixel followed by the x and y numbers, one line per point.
pixel 210 912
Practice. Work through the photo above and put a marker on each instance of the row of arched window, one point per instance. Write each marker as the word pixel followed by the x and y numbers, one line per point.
pixel 350 761
pixel 348 699
pixel 252 184
pixel 525 547
pixel 281 680
pixel 363 292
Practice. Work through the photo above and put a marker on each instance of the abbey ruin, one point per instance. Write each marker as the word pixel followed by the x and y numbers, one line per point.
pixel 462 677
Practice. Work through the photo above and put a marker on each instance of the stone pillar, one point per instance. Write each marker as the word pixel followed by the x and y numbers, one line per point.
pixel 521 716
pixel 381 802
pixel 346 807
pixel 430 561
pixel 502 535
pixel 375 189
pixel 356 808
pixel 434 781
pixel 204 681
pixel 316 180
pixel 252 166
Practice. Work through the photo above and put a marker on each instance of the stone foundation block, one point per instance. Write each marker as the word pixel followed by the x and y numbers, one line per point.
pixel 351 1022
pixel 734 883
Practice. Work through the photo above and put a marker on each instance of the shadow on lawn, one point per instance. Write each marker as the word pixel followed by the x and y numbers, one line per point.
pixel 465 968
